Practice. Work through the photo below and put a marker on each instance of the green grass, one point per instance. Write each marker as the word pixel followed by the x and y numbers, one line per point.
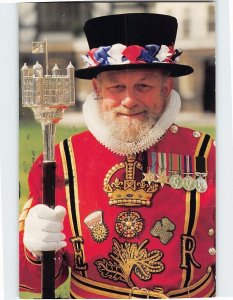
pixel 30 146
pixel 63 292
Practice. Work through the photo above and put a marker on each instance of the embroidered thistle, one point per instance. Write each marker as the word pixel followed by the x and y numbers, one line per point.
pixel 99 231
pixel 130 257
pixel 163 229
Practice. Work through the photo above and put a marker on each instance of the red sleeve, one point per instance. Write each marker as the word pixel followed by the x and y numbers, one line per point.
pixel 30 266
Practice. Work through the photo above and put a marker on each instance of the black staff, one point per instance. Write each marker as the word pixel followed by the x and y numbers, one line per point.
pixel 48 96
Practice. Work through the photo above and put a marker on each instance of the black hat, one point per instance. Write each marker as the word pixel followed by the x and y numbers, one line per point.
pixel 131 41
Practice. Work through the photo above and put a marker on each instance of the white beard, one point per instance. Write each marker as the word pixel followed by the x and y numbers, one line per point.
pixel 121 139
pixel 128 130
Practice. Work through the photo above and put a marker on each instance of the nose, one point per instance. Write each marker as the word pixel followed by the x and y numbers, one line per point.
pixel 130 99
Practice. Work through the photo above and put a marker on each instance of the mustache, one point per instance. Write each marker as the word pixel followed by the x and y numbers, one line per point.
pixel 127 111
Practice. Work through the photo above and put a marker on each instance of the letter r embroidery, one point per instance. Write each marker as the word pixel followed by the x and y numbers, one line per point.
pixel 188 246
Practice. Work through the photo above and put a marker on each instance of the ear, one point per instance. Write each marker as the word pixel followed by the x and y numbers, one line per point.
pixel 167 86
pixel 95 84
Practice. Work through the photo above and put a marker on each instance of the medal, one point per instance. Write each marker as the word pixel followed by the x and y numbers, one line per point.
pixel 162 177
pixel 201 173
pixel 189 183
pixel 175 166
pixel 201 185
pixel 149 177
pixel 176 181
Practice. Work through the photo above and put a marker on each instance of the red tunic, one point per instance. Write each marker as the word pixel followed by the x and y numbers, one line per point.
pixel 120 247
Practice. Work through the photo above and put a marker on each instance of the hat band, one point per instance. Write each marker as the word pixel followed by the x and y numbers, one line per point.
pixel 118 54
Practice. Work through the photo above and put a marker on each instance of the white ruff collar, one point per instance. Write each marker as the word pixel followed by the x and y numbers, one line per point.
pixel 102 134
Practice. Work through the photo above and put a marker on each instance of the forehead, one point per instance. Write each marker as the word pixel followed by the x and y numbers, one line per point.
pixel 130 75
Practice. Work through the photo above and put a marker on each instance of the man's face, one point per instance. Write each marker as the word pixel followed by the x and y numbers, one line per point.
pixel 132 100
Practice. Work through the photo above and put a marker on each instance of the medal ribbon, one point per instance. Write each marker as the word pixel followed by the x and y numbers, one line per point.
pixel 200 165
pixel 153 162
pixel 162 162
pixel 144 162
pixel 187 164
pixel 175 163
pixel 202 152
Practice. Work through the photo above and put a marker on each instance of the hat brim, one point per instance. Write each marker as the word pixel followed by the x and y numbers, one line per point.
pixel 175 70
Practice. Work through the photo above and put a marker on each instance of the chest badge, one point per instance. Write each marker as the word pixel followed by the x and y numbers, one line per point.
pixel 128 258
pixel 99 230
pixel 129 224
pixel 125 186
pixel 163 229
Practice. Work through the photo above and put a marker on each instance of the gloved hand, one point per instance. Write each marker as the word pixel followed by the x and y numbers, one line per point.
pixel 43 229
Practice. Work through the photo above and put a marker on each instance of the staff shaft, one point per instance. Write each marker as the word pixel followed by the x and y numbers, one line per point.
pixel 48 257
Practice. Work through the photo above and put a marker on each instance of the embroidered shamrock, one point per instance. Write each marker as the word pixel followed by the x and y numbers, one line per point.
pixel 163 229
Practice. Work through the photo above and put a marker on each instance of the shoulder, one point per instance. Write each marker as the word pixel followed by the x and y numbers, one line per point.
pixel 187 132
pixel 184 140
pixel 80 139
pixel 195 137
pixel 82 143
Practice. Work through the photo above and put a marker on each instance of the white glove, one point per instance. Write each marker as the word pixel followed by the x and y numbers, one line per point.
pixel 42 230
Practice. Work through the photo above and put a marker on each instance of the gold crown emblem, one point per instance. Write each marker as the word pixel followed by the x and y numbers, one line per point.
pixel 129 191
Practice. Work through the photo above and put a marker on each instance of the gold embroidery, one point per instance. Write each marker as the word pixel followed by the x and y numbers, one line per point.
pixel 163 230
pixel 129 224
pixel 128 258
pixel 188 245
pixel 99 230
pixel 99 233
pixel 130 191
pixel 78 253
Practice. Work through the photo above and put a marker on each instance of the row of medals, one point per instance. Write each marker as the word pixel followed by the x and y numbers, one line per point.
pixel 189 183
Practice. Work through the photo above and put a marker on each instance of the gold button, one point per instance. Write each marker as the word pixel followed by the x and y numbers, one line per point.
pixel 174 129
pixel 209 269
pixel 196 134
pixel 211 232
pixel 212 251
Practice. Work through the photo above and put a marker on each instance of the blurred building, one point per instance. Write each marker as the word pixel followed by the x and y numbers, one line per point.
pixel 196 36
pixel 61 24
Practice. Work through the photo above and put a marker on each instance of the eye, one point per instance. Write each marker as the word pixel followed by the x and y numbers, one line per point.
pixel 143 87
pixel 117 88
